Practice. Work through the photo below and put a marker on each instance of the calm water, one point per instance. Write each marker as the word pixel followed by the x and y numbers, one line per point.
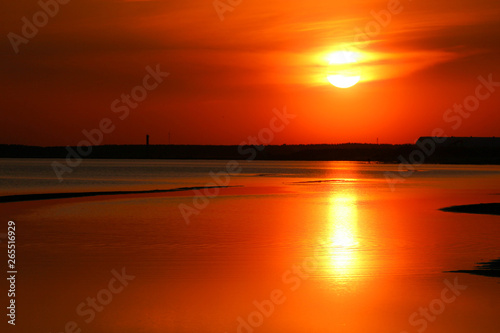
pixel 330 242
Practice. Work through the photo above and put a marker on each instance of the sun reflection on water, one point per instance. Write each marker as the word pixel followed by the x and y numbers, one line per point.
pixel 343 241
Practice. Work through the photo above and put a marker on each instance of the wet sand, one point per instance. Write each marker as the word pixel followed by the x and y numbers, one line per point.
pixel 51 196
pixel 482 208
pixel 491 268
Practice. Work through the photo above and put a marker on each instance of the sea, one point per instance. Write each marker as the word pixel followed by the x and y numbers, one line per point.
pixel 250 246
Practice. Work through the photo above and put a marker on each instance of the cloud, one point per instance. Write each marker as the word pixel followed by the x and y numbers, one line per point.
pixel 100 47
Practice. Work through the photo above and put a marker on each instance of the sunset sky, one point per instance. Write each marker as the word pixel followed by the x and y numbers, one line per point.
pixel 226 76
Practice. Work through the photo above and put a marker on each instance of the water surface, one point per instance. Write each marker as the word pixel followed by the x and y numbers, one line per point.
pixel 345 251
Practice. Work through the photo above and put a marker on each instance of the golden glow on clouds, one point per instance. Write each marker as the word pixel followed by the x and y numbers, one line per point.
pixel 343 57
pixel 263 52
pixel 370 65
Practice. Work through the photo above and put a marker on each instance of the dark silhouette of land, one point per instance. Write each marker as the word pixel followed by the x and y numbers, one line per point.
pixel 482 208
pixel 426 150
pixel 491 268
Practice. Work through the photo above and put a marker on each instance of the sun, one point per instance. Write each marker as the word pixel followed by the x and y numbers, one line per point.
pixel 343 81
pixel 344 70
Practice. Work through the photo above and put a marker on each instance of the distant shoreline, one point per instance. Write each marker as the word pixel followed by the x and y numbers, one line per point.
pixel 384 153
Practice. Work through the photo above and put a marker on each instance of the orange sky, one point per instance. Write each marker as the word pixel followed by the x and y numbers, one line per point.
pixel 225 77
